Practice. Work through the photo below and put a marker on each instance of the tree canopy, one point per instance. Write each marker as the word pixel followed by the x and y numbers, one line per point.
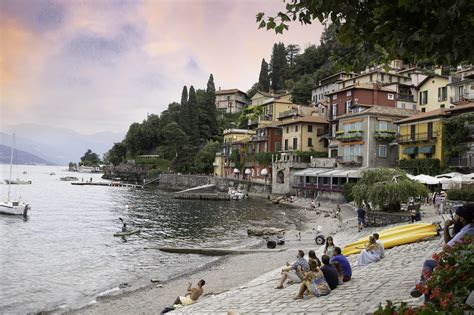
pixel 438 30
pixel 90 158
pixel 386 188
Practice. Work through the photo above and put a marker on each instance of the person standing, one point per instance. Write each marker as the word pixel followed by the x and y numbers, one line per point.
pixel 361 218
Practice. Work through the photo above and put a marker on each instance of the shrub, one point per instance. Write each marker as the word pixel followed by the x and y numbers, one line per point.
pixel 464 194
pixel 421 166
pixel 305 156
pixel 347 187
pixel 449 286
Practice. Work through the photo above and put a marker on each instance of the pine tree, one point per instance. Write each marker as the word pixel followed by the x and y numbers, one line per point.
pixel 193 115
pixel 211 103
pixel 264 78
pixel 184 117
pixel 292 51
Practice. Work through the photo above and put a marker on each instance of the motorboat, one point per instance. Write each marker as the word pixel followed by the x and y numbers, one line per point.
pixel 69 179
pixel 9 206
pixel 18 182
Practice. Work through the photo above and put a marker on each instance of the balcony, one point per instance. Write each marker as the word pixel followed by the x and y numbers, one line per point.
pixel 260 138
pixel 465 97
pixel 405 97
pixel 385 135
pixel 417 137
pixel 351 160
pixel 462 162
pixel 288 113
pixel 351 135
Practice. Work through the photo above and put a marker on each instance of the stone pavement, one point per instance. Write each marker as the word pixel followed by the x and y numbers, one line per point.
pixel 392 278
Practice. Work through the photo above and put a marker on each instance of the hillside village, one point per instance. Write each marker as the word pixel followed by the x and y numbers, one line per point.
pixel 397 117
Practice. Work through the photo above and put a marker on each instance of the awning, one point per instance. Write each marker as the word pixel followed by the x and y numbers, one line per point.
pixel 410 150
pixel 427 149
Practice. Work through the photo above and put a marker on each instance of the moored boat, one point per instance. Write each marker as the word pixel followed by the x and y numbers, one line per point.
pixel 69 179
pixel 18 182
pixel 127 233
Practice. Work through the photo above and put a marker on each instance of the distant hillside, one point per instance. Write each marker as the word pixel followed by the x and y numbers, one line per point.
pixel 58 145
pixel 20 157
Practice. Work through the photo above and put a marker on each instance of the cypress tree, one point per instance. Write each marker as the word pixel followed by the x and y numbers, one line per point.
pixel 184 96
pixel 264 78
pixel 193 114
pixel 211 104
pixel 184 117
pixel 279 67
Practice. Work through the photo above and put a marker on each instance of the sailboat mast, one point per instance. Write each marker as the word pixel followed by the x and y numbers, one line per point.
pixel 11 164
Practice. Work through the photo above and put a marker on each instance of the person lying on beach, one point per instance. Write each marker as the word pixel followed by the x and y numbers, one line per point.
pixel 313 281
pixel 192 294
pixel 370 254
pixel 292 272
pixel 330 272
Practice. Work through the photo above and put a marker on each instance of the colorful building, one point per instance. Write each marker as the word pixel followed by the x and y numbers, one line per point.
pixel 304 134
pixel 433 93
pixel 231 100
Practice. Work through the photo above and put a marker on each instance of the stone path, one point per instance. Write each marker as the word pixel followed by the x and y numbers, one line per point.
pixel 392 278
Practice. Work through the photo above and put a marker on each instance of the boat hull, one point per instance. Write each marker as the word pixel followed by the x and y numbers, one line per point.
pixel 14 208
pixel 18 182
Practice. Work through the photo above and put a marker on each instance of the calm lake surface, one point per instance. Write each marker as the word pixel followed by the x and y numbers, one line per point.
pixel 65 254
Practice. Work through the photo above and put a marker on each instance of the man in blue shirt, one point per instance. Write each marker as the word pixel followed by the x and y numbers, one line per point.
pixel 330 272
pixel 343 262
pixel 292 272
pixel 463 225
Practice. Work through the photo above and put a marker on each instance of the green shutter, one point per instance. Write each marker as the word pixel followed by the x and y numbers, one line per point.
pixel 410 150
pixel 427 149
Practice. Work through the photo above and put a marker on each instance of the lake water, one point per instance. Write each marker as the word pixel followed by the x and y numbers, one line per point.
pixel 64 254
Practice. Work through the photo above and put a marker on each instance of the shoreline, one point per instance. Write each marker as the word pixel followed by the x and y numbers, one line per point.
pixel 221 274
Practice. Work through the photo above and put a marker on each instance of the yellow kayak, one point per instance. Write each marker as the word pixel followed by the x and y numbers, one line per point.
pixel 396 236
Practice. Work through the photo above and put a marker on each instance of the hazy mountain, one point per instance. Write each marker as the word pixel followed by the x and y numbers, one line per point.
pixel 20 157
pixel 58 145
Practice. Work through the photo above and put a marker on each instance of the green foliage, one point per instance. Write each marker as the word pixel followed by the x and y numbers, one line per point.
pixel 386 188
pixel 464 194
pixel 347 187
pixel 205 158
pixel 211 106
pixel 263 158
pixel 439 30
pixel 90 159
pixel 263 78
pixel 249 112
pixel 116 154
pixel 192 127
pixel 305 156
pixel 415 167
pixel 292 51
pixel 278 67
pixel 301 89
pixel 456 134
pixel 235 158
pixel 157 163
pixel 448 287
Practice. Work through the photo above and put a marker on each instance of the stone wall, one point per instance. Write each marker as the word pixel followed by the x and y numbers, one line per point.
pixel 380 218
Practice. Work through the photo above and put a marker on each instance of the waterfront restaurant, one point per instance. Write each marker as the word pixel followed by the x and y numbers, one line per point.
pixel 310 181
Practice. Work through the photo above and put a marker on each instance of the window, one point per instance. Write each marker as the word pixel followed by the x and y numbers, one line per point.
pixel 412 132
pixel 382 150
pixel 310 128
pixel 295 143
pixel 423 97
pixel 357 150
pixel 347 127
pixel 461 92
pixel 296 128
pixel 347 153
pixel 441 106
pixel 383 125
pixel 391 96
pixel 277 146
pixel 334 129
pixel 287 129
pixel 348 106
pixel 334 110
pixel 310 142
pixel 358 125
pixel 348 93
pixel 423 109
pixel 442 93
pixel 286 144
pixel 334 97
pixel 430 130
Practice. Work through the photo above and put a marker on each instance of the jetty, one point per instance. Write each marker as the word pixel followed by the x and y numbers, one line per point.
pixel 214 251
pixel 109 184
pixel 202 196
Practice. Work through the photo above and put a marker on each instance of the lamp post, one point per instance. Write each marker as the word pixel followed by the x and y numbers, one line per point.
pixel 264 173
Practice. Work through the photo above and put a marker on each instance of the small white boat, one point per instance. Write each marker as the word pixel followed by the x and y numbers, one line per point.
pixel 9 206
pixel 52 173
pixel 69 179
pixel 18 182
pixel 236 194
pixel 130 232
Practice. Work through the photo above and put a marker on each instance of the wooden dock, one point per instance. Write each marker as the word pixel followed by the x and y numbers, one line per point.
pixel 109 184
pixel 202 196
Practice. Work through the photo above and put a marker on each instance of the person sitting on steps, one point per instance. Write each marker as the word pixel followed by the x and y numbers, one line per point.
pixel 313 281
pixel 380 243
pixel 292 272
pixel 343 262
pixel 330 272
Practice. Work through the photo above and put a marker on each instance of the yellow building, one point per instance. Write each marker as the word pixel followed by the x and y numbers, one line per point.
pixel 304 134
pixel 421 136
pixel 233 139
pixel 433 93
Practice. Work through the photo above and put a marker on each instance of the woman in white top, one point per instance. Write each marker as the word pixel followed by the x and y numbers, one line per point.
pixel 371 253
pixel 329 246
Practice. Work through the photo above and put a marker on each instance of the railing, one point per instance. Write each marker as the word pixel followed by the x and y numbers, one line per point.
pixel 260 138
pixel 320 187
pixel 351 160
pixel 266 117
pixel 385 135
pixel 288 113
pixel 461 162
pixel 466 96
pixel 354 135
pixel 416 137
pixel 405 97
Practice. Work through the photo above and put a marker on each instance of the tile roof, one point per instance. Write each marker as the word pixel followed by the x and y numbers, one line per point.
pixel 368 86
pixel 383 110
pixel 229 91
pixel 440 112
pixel 304 119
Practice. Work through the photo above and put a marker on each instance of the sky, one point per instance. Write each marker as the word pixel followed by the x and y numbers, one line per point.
pixel 97 65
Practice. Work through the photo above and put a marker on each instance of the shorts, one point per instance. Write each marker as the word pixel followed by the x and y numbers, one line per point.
pixel 293 277
pixel 186 300
pixel 361 221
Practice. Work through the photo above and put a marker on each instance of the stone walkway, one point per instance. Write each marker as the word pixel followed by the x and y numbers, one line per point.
pixel 392 278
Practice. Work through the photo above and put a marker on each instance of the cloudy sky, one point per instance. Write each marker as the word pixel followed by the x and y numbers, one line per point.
pixel 97 65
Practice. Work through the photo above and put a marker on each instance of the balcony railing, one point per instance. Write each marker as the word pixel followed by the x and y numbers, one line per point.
pixel 466 96
pixel 351 135
pixel 318 187
pixel 462 162
pixel 260 138
pixel 417 137
pixel 385 135
pixel 350 160
pixel 288 113
pixel 405 97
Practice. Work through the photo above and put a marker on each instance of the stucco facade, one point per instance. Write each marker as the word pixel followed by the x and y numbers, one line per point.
pixel 433 93
pixel 304 134
pixel 231 101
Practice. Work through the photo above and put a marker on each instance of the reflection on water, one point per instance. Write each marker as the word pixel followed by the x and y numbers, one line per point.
pixel 65 252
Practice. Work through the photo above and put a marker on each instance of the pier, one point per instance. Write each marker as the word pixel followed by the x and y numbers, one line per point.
pixel 110 184
pixel 202 196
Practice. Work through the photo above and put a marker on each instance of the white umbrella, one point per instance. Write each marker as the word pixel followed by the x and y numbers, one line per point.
pixel 236 171
pixel 248 171
pixel 426 179
pixel 449 175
